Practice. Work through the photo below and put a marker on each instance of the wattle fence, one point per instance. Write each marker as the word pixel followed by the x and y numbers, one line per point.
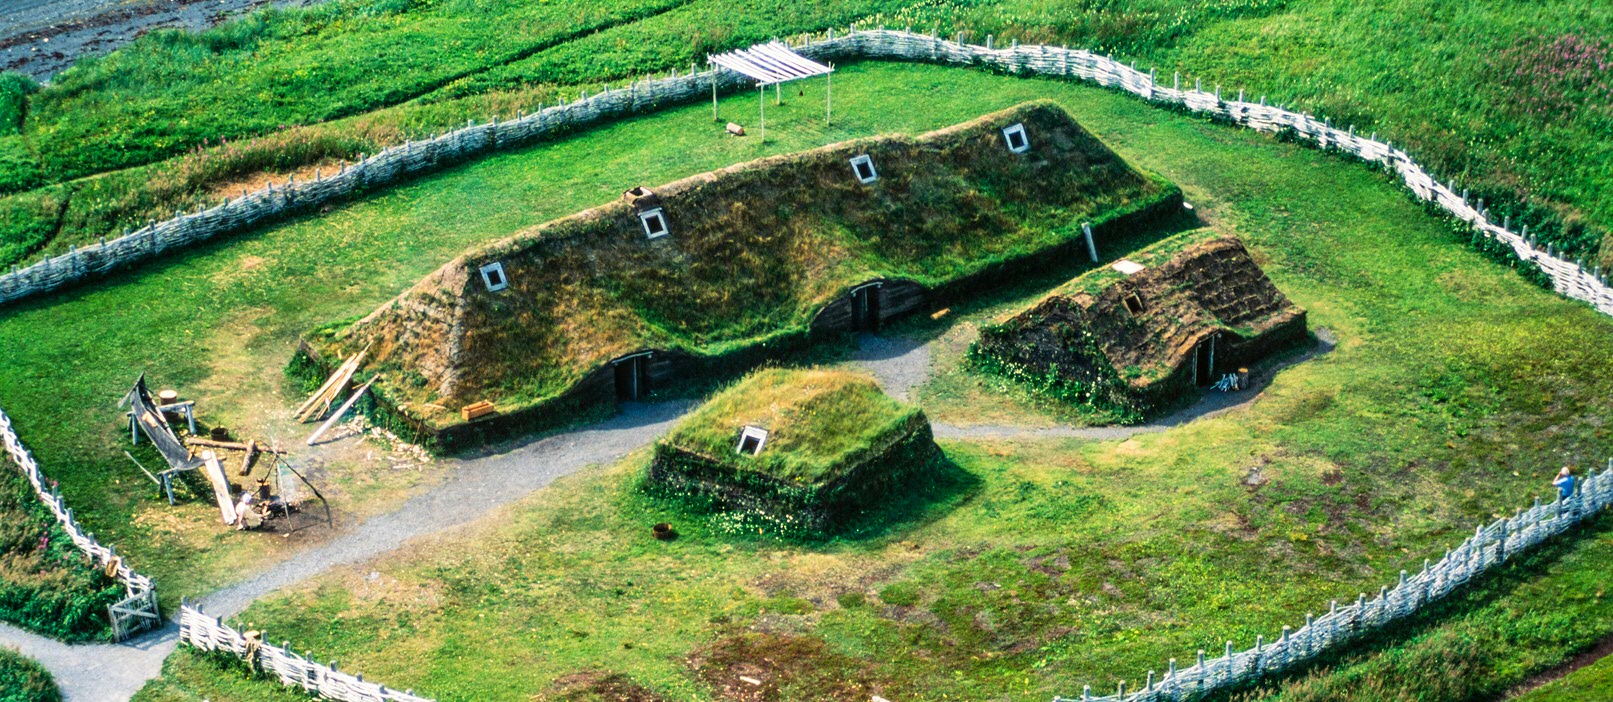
pixel 417 157
pixel 209 634
pixel 1489 546
pixel 137 611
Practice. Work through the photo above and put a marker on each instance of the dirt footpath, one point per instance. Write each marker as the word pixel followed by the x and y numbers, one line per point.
pixel 39 38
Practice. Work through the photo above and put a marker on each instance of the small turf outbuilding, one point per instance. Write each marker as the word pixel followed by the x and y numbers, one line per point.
pixel 808 448
pixel 1137 335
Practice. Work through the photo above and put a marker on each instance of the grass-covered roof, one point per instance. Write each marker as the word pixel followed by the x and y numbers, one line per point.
pixel 820 423
pixel 755 251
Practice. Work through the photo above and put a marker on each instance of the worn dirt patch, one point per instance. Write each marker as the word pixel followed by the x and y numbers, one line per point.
pixel 768 667
pixel 597 686
pixel 254 182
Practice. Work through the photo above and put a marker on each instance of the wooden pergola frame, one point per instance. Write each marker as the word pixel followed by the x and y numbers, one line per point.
pixel 772 64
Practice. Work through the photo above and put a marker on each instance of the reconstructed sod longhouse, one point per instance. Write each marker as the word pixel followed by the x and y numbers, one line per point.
pixel 1144 332
pixel 807 448
pixel 715 272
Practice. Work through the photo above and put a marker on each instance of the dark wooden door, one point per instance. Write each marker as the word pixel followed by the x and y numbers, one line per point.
pixel 865 308
pixel 633 378
pixel 1204 362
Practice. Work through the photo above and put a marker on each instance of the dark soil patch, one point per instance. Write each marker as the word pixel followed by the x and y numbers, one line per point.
pixel 598 686
pixel 768 667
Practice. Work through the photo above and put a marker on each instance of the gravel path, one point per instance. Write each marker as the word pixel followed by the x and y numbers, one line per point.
pixel 96 673
pixel 899 364
pixel 109 673
pixel 903 364
pixel 112 672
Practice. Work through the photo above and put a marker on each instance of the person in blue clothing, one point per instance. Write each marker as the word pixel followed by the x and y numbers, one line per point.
pixel 1564 483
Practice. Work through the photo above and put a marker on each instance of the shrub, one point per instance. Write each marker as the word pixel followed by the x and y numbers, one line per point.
pixel 23 680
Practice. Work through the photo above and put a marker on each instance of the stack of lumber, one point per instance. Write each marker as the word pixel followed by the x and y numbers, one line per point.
pixel 320 402
pixel 340 411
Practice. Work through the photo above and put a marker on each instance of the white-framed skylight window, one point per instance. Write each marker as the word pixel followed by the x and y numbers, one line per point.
pixel 751 440
pixel 1014 136
pixel 863 167
pixel 493 275
pixel 654 221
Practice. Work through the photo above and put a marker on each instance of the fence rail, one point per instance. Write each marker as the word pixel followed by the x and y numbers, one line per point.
pixel 416 157
pixel 206 632
pixel 1490 545
pixel 138 611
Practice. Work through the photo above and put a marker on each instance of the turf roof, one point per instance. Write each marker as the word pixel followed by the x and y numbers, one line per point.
pixel 755 251
pixel 819 423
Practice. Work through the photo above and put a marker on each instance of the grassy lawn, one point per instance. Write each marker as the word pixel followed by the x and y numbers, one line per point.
pixel 1592 682
pixel 172 91
pixel 23 680
pixel 1482 642
pixel 219 322
pixel 1455 391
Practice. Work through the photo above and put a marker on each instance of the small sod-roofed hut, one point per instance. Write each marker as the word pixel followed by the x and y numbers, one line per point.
pixel 1139 334
pixel 809 448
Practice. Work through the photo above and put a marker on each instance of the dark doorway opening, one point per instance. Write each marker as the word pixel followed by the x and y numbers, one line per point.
pixel 1204 362
pixel 865 308
pixel 633 377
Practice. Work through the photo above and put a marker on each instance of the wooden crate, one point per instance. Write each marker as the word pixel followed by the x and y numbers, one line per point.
pixel 476 409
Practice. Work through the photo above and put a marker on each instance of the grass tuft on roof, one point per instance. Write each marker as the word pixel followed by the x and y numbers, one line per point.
pixel 818 423
pixel 836 444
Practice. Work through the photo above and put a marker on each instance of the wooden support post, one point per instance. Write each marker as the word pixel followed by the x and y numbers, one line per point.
pixel 714 73
pixel 761 101
pixel 1092 248
pixel 828 95
pixel 142 468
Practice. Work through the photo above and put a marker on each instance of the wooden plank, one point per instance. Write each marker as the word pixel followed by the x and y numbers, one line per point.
pixel 334 418
pixel 231 445
pixel 221 486
pixel 339 381
pixel 322 388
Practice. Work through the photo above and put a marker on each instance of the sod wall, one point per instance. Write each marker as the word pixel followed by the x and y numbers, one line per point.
pixel 876 470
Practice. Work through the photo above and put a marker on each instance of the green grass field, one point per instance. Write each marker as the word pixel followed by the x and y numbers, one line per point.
pixel 1481 643
pixel 1592 682
pixel 23 680
pixel 220 322
pixel 1521 86
pixel 1455 390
